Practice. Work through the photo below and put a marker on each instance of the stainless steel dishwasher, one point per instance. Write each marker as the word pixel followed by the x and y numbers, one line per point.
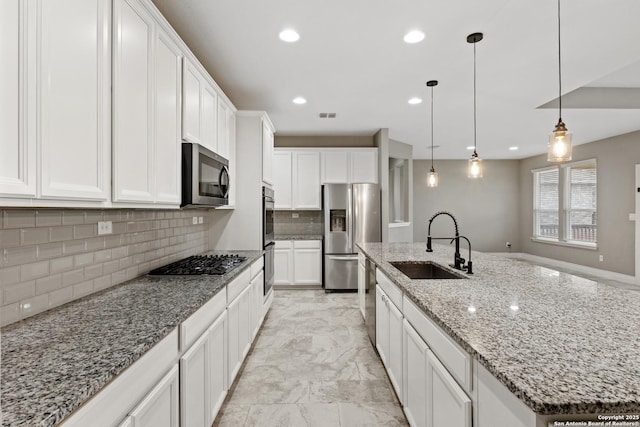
pixel 370 300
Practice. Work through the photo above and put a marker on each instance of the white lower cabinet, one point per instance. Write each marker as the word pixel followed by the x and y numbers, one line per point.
pixel 257 299
pixel 415 376
pixel 298 262
pixel 447 404
pixel 218 384
pixel 389 338
pixel 239 331
pixel 160 407
pixel 193 384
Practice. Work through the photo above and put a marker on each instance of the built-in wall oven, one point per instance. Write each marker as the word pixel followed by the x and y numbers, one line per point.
pixel 268 241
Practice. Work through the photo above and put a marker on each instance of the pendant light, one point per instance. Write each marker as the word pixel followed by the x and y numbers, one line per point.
pixel 475 162
pixel 559 146
pixel 432 176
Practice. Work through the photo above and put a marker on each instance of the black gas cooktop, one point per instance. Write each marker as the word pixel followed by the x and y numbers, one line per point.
pixel 201 264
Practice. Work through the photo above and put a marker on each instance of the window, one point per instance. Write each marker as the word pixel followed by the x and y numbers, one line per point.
pixel 574 187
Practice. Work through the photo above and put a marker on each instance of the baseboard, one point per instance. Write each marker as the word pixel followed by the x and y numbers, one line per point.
pixel 297 287
pixel 604 274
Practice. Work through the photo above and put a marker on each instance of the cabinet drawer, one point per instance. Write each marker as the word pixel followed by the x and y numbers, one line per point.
pixel 284 244
pixel 193 327
pixel 393 292
pixel 256 267
pixel 238 284
pixel 451 355
pixel 307 244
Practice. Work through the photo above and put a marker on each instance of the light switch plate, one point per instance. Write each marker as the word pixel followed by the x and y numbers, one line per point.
pixel 194 220
pixel 295 215
pixel 105 227
pixel 200 220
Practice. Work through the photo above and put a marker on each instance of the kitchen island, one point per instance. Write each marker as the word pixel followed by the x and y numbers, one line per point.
pixel 563 345
pixel 57 361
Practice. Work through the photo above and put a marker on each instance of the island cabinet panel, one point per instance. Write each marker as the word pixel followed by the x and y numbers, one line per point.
pixel 415 376
pixel 362 277
pixel 447 405
pixel 160 407
pixel 389 338
pixel 494 398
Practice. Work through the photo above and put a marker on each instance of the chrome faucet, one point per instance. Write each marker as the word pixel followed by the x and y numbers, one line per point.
pixel 458 261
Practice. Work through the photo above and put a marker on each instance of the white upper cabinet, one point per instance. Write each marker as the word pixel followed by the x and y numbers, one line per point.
pixel 349 165
pixel 191 88
pixel 335 167
pixel 73 84
pixel 133 101
pixel 283 179
pixel 17 146
pixel 267 153
pixel 363 165
pixel 168 119
pixel 306 180
pixel 223 126
pixel 209 117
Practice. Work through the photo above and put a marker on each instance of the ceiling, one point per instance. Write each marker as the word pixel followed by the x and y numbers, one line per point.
pixel 351 60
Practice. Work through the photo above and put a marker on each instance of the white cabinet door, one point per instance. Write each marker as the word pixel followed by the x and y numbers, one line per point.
pixel 267 154
pixel 73 95
pixel 257 285
pixel 17 146
pixel 245 330
pixel 414 377
pixel 234 357
pixel 362 274
pixel 283 179
pixel 194 388
pixel 209 118
pixel 283 263
pixel 160 407
pixel 224 116
pixel 191 88
pixel 307 262
pixel 335 167
pixel 382 325
pixel 306 180
pixel 132 98
pixel 168 75
pixel 218 385
pixel 447 404
pixel 394 357
pixel 363 165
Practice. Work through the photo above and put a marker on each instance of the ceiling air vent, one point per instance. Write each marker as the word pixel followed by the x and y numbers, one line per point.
pixel 327 115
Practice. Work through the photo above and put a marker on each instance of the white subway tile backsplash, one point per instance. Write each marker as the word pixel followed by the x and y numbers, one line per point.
pixel 34 270
pixel 48 218
pixel 51 256
pixel 9 238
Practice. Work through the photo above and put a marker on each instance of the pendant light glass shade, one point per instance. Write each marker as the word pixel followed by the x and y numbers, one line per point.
pixel 559 147
pixel 475 166
pixel 432 176
pixel 475 163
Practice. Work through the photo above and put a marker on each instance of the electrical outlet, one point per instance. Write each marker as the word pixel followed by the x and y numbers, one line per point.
pixel 601 258
pixel 105 227
pixel 194 220
pixel 200 220
pixel 295 215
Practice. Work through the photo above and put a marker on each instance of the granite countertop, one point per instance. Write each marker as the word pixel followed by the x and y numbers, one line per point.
pixel 562 344
pixel 55 361
pixel 298 237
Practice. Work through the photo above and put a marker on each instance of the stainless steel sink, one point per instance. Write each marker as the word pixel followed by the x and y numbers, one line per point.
pixel 424 270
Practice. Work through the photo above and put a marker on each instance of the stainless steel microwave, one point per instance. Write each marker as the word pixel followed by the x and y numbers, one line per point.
pixel 205 177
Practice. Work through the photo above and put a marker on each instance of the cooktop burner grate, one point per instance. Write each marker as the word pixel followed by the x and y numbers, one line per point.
pixel 201 264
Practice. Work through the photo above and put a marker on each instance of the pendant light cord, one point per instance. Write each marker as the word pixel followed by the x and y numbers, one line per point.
pixel 559 69
pixel 475 146
pixel 431 127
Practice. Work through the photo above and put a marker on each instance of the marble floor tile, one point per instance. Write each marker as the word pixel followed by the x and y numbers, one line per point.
pixel 312 364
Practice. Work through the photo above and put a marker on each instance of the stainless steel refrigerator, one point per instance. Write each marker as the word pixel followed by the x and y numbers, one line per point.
pixel 351 215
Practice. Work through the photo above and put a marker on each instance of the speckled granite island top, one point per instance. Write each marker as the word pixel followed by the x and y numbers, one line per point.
pixel 561 343
pixel 298 237
pixel 55 361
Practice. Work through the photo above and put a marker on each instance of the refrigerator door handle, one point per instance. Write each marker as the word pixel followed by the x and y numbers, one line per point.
pixel 349 224
pixel 343 258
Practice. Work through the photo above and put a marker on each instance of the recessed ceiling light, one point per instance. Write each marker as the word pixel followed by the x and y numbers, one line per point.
pixel 299 100
pixel 471 147
pixel 414 101
pixel 514 307
pixel 513 148
pixel 471 309
pixel 289 36
pixel 414 36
